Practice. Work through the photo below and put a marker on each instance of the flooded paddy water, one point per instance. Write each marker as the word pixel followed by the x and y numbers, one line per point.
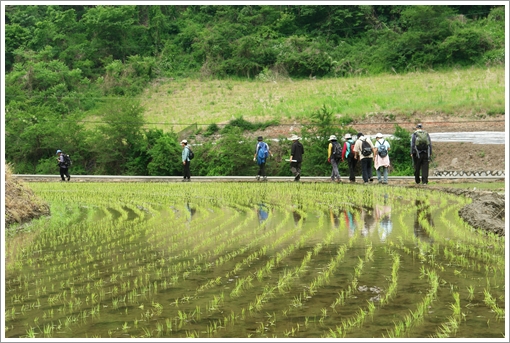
pixel 275 260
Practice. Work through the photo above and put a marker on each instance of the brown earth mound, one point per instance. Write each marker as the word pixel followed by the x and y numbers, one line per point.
pixel 21 204
pixel 486 212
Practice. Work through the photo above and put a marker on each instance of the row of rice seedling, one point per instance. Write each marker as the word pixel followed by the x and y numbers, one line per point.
pixel 171 260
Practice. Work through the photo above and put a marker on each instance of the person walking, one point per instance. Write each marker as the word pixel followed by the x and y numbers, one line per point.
pixel 63 165
pixel 348 153
pixel 364 149
pixel 382 158
pixel 262 152
pixel 296 156
pixel 185 161
pixel 421 152
pixel 334 156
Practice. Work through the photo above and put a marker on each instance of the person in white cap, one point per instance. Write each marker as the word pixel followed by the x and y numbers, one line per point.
pixel 296 157
pixel 185 161
pixel 382 158
pixel 334 156
pixel 348 153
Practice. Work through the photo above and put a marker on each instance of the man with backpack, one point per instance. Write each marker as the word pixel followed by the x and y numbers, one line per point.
pixel 186 161
pixel 421 152
pixel 64 162
pixel 348 153
pixel 382 159
pixel 364 149
pixel 262 152
pixel 334 156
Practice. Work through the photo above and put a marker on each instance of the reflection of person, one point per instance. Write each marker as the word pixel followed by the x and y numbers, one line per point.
pixel 333 143
pixel 381 162
pixel 262 212
pixel 191 211
pixel 333 216
pixel 185 161
pixel 422 213
pixel 297 217
pixel 383 217
pixel 368 221
pixel 64 168
pixel 296 154
pixel 421 156
pixel 350 221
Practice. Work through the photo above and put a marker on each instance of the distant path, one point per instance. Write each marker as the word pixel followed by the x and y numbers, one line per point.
pixel 397 180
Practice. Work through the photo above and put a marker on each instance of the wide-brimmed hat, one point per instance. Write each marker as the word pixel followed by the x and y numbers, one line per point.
pixel 347 136
pixel 58 151
pixel 184 141
pixel 379 135
pixel 418 126
pixel 260 139
pixel 294 138
pixel 332 138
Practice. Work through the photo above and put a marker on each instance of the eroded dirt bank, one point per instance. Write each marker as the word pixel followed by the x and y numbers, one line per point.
pixel 486 212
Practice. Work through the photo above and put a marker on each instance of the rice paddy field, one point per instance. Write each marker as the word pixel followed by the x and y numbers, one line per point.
pixel 260 260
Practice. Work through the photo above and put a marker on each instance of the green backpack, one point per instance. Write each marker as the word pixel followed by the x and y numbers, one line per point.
pixel 422 140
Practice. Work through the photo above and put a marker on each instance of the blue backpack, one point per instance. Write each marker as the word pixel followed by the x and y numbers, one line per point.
pixel 262 153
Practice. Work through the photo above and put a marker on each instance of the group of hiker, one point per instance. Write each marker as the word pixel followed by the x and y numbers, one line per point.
pixel 359 148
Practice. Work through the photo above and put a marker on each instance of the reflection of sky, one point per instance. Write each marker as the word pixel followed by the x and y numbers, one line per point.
pixel 262 212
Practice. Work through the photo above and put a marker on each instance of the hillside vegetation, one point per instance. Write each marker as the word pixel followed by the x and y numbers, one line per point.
pixel 113 85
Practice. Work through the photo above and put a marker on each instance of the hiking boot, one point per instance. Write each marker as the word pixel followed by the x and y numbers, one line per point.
pixel 298 176
pixel 68 178
pixel 257 177
pixel 264 178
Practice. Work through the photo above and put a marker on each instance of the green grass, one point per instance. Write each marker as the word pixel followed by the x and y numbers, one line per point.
pixel 489 186
pixel 178 103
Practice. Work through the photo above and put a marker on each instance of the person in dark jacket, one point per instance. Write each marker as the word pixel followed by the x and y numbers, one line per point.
pixel 421 157
pixel 296 157
pixel 64 169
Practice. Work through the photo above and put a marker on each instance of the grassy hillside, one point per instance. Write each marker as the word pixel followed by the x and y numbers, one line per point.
pixel 174 104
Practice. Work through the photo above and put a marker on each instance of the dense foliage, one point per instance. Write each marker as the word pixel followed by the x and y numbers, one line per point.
pixel 65 63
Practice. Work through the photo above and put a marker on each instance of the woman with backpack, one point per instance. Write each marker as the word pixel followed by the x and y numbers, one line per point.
pixel 382 159
pixel 262 152
pixel 348 153
pixel 334 156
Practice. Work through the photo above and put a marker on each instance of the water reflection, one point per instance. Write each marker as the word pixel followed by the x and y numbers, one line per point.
pixel 383 217
pixel 296 213
pixel 369 221
pixel 190 211
pixel 422 213
pixel 262 212
pixel 344 214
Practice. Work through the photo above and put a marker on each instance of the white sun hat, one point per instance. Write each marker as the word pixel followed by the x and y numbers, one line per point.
pixel 184 141
pixel 332 138
pixel 379 135
pixel 347 136
pixel 294 138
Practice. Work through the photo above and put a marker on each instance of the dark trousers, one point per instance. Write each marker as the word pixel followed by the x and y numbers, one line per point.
pixel 262 169
pixel 295 168
pixel 187 173
pixel 351 162
pixel 366 168
pixel 421 163
pixel 64 172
